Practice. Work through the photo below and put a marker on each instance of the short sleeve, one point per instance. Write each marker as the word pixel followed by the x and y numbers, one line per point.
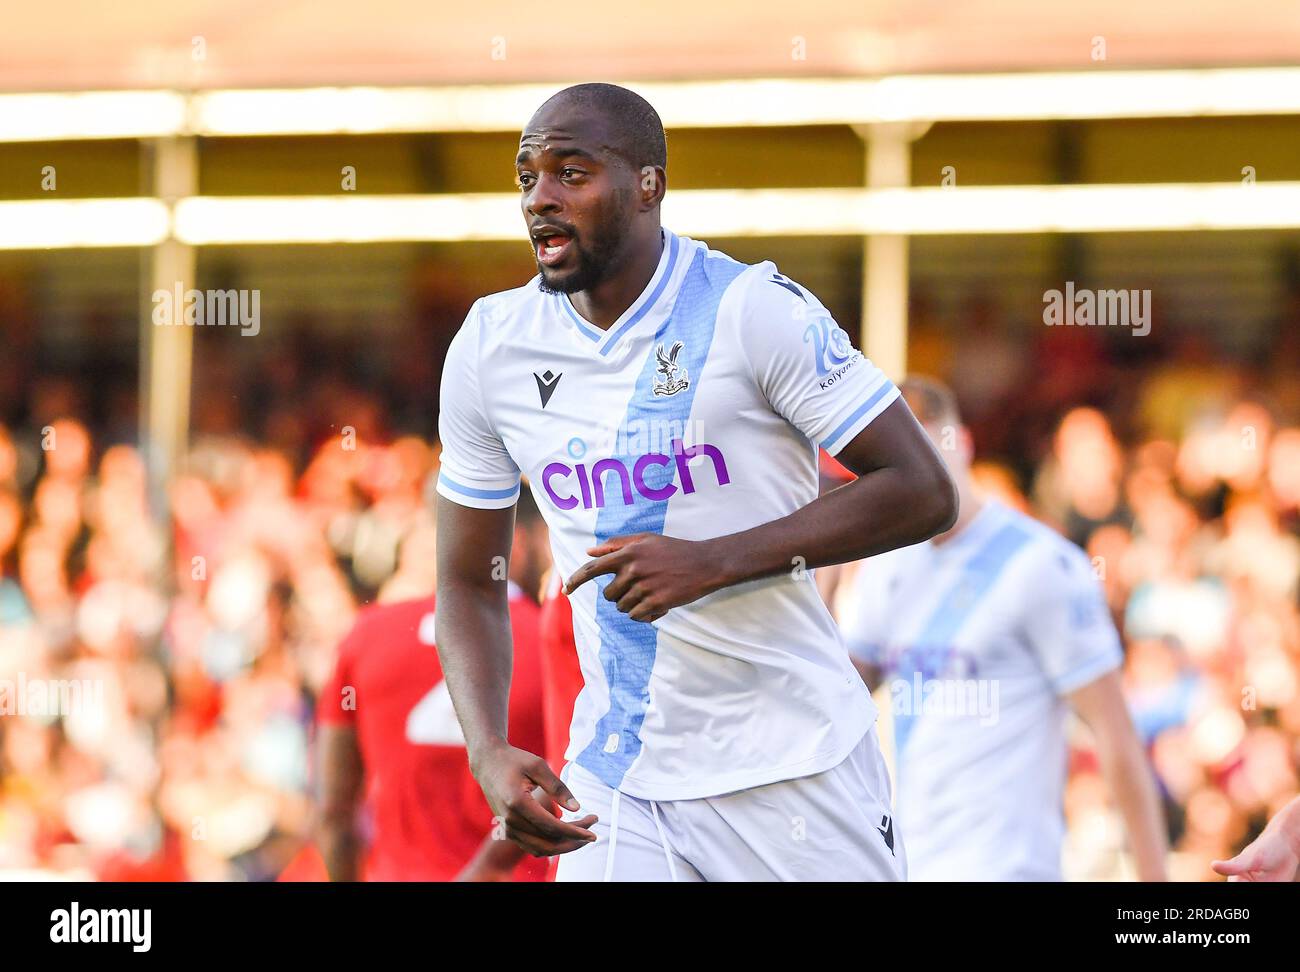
pixel 476 470
pixel 806 363
pixel 1067 623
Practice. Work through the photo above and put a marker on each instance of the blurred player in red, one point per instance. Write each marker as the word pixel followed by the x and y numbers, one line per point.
pixel 561 677
pixel 397 801
pixel 561 674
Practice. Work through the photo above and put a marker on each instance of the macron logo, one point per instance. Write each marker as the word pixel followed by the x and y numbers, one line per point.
pixel 546 384
pixel 886 829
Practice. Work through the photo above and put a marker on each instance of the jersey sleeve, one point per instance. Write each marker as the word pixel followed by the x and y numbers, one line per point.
pixel 806 364
pixel 1066 621
pixel 476 470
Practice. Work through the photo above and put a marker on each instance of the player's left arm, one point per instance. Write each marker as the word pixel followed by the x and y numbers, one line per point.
pixel 810 374
pixel 1124 764
pixel 903 495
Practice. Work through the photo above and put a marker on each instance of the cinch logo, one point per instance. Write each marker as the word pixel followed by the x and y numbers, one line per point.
pixel 591 483
pixel 931 661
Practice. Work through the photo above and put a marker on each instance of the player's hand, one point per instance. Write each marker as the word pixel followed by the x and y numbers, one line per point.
pixel 508 777
pixel 652 573
pixel 1269 857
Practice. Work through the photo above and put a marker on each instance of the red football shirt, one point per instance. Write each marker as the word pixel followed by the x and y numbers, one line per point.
pixel 561 677
pixel 561 674
pixel 428 815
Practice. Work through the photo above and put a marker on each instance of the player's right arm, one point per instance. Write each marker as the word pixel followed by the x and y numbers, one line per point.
pixel 475 648
pixel 478 486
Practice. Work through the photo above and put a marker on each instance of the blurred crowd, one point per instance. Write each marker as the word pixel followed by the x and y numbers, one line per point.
pixel 182 656
pixel 198 640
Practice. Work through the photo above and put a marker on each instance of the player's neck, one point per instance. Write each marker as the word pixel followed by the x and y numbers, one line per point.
pixel 969 505
pixel 605 303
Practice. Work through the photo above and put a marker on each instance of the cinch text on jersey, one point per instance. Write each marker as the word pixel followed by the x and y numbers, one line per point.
pixel 591 483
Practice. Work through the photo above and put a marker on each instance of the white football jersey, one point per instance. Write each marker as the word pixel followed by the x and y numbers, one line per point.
pixel 979 638
pixel 696 414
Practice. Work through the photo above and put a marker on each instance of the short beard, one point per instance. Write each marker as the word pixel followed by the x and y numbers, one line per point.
pixel 598 262
pixel 593 267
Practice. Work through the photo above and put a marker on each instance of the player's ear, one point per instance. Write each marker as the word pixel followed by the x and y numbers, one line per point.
pixel 653 185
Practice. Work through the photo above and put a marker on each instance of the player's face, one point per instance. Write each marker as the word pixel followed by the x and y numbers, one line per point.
pixel 577 198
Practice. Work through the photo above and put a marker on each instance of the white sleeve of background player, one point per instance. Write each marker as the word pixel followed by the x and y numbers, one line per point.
pixel 863 632
pixel 1067 622
pixel 806 364
pixel 476 470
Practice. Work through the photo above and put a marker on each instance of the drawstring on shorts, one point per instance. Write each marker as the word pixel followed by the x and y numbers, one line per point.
pixel 613 837
pixel 668 855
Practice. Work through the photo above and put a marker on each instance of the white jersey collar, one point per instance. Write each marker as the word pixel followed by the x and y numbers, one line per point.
pixel 603 342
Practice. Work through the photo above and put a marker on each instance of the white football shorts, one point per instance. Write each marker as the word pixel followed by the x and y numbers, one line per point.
pixel 836 825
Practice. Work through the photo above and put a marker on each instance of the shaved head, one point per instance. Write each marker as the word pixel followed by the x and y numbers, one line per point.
pixel 591 173
pixel 634 127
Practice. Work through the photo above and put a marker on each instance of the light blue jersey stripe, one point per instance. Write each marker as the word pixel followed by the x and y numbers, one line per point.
pixel 586 329
pixel 958 603
pixel 654 297
pixel 627 647
pixel 480 493
pixel 857 413
pixel 610 338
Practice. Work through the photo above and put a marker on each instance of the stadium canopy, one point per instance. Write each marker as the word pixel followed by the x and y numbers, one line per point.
pixel 168 72
pixel 88 44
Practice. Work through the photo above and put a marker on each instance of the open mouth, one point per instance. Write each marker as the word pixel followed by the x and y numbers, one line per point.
pixel 551 246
